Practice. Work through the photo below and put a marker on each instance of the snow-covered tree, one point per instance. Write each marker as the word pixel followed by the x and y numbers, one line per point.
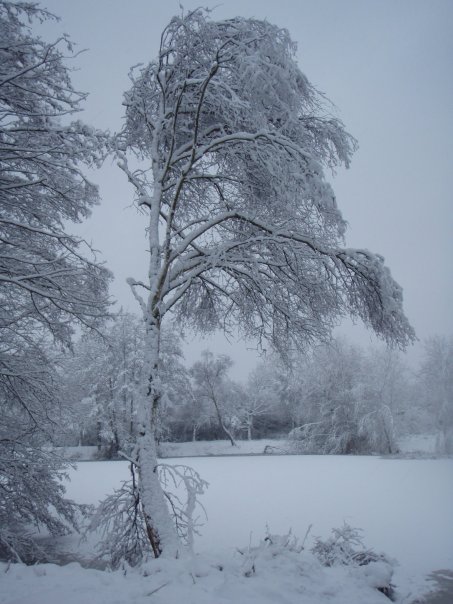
pixel 436 388
pixel 174 379
pixel 386 393
pixel 288 384
pixel 48 278
pixel 192 416
pixel 210 377
pixel 244 231
pixel 347 400
pixel 257 398
pixel 99 391
pixel 101 380
pixel 331 401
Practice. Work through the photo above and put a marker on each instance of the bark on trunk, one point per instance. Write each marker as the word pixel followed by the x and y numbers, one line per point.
pixel 159 523
pixel 221 424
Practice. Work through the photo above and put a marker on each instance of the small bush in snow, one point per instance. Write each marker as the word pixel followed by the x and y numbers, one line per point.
pixel 271 546
pixel 346 548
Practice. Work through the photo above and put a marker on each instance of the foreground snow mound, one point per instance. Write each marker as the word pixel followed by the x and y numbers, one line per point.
pixel 276 571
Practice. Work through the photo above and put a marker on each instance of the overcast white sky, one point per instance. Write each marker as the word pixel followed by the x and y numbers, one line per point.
pixel 388 67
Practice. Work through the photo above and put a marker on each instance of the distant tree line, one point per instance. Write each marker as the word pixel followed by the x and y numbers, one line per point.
pixel 336 398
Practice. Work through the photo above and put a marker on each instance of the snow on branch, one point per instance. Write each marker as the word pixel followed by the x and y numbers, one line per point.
pixel 120 519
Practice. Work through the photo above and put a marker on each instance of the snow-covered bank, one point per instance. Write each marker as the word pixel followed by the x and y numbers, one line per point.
pixel 204 448
pixel 199 448
pixel 415 445
pixel 403 506
pixel 418 444
pixel 286 578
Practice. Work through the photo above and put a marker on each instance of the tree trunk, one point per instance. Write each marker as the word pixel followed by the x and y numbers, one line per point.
pixel 160 526
pixel 221 424
pixel 249 428
pixel 159 523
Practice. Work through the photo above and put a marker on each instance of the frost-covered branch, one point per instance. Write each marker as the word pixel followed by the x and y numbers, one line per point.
pixel 49 279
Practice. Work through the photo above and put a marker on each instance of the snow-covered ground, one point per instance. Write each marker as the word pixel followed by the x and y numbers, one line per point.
pixel 288 578
pixel 404 507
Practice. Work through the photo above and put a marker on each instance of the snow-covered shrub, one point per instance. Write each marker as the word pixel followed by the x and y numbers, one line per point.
pixel 347 431
pixel 327 437
pixel 272 546
pixel 377 429
pixel 347 402
pixel 345 547
pixel 120 520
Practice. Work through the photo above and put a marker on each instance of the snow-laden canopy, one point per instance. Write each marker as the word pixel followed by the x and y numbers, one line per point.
pixel 235 143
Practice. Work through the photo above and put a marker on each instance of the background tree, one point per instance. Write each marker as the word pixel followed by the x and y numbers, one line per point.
pixel 347 401
pixel 210 377
pixel 100 391
pixel 436 388
pixel 386 391
pixel 81 374
pixel 288 380
pixel 257 399
pixel 192 417
pixel 175 381
pixel 331 401
pixel 48 278
pixel 243 228
pixel 101 381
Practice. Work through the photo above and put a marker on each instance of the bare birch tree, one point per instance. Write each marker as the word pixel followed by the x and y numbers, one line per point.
pixel 209 374
pixel 258 398
pixel 232 141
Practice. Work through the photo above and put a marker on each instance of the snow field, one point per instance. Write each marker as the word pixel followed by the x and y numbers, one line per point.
pixel 403 506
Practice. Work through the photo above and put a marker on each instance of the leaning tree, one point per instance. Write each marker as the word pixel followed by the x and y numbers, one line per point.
pixel 48 278
pixel 226 143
